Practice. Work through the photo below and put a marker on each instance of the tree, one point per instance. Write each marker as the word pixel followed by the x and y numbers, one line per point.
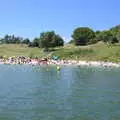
pixel 97 32
pixel 8 39
pixel 30 44
pixel 113 40
pixel 82 35
pixel 45 40
pixel 116 32
pixel 118 37
pixel 104 36
pixel 17 40
pixel 58 41
pixel 36 42
pixel 81 41
pixel 50 39
pixel 26 41
pixel 107 37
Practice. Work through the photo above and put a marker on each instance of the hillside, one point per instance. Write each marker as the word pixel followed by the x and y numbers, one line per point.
pixel 99 51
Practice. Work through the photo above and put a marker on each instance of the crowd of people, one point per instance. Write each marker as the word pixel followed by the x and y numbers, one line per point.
pixel 22 60
pixel 50 61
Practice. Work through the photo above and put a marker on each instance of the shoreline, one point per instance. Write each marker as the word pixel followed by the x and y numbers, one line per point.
pixel 65 62
pixel 90 63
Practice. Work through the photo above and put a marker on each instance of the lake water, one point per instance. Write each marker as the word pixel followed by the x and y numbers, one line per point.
pixel 73 93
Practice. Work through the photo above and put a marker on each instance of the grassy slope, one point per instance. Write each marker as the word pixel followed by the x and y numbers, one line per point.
pixel 98 51
pixel 18 50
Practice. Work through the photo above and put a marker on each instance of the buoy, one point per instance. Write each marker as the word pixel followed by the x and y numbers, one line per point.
pixel 58 68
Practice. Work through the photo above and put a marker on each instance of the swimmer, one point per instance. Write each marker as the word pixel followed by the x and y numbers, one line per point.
pixel 58 68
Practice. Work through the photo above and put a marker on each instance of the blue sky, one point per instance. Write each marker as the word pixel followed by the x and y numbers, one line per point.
pixel 28 18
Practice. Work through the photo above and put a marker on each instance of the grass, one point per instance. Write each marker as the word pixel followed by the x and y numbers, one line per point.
pixel 99 51
pixel 18 50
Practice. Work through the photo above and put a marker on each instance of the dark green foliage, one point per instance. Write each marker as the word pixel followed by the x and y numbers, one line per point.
pixel 107 36
pixel 93 41
pixel 118 37
pixel 8 39
pixel 58 41
pixel 104 36
pixel 82 35
pixel 46 40
pixel 115 30
pixel 30 44
pixel 1 41
pixel 26 41
pixel 113 40
pixel 81 41
pixel 97 32
pixel 50 40
pixel 36 42
pixel 98 37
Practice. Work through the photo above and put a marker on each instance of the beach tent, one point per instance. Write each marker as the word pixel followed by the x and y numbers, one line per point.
pixel 55 57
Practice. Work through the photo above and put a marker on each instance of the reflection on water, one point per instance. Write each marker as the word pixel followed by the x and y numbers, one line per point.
pixel 73 93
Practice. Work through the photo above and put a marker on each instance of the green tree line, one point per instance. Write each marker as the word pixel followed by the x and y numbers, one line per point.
pixel 85 35
pixel 80 36
pixel 11 39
